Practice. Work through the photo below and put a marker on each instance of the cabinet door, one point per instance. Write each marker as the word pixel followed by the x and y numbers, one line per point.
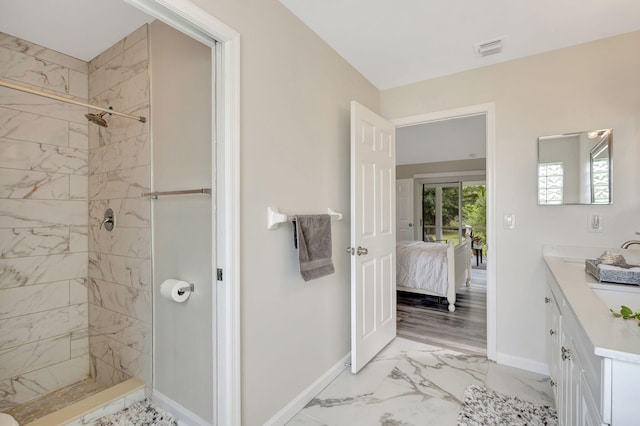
pixel 589 413
pixel 569 401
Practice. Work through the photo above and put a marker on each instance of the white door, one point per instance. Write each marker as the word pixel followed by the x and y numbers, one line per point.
pixel 404 210
pixel 373 239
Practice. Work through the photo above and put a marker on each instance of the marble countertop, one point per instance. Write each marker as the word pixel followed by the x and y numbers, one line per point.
pixel 611 337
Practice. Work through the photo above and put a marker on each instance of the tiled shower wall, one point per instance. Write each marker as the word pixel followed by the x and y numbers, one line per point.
pixel 119 171
pixel 43 223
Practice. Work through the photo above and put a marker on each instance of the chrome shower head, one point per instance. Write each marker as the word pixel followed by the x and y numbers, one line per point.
pixel 97 119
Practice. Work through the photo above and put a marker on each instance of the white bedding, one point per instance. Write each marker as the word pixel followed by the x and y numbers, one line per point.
pixel 422 265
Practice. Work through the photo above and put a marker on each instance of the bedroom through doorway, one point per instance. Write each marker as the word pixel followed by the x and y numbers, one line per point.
pixel 441 201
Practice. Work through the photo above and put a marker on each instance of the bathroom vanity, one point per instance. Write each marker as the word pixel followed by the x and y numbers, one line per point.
pixel 594 358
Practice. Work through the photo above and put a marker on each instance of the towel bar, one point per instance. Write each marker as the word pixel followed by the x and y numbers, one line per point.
pixel 275 218
pixel 155 195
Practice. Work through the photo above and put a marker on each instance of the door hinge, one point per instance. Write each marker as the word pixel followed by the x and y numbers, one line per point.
pixel 219 274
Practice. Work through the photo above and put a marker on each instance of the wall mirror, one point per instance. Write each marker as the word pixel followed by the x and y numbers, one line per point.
pixel 575 168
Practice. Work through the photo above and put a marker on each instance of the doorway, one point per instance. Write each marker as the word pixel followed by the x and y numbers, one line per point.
pixel 435 224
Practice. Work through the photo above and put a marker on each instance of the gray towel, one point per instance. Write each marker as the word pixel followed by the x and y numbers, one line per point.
pixel 313 234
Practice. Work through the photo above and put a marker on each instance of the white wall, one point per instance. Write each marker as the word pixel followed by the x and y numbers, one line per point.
pixel 591 86
pixel 295 94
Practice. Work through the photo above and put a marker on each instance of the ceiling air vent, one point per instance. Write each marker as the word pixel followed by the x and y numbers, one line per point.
pixel 490 47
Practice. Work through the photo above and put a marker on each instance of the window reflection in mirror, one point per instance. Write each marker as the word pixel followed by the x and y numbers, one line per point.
pixel 575 168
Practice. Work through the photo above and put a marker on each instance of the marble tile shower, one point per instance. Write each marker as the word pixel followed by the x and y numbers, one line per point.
pixel 119 171
pixel 75 300
pixel 43 224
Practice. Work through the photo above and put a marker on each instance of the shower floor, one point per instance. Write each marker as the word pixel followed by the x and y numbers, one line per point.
pixel 54 401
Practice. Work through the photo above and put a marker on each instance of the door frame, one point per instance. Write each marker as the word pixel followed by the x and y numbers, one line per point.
pixel 225 42
pixel 489 111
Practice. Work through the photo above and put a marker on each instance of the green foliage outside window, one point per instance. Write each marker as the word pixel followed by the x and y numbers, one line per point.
pixel 474 210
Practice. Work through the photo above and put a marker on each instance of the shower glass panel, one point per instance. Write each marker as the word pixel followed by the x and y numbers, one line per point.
pixel 183 224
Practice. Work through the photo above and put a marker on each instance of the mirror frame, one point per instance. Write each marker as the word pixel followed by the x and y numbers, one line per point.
pixel 605 141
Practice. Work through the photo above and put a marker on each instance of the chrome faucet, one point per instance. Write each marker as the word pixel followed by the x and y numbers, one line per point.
pixel 626 244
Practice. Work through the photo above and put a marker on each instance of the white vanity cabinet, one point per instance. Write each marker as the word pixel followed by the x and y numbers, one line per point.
pixel 574 377
pixel 576 397
pixel 594 358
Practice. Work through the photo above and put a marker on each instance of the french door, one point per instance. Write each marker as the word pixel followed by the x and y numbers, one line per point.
pixel 442 212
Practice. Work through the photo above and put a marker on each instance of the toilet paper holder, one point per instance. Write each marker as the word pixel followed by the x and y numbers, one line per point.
pixel 190 288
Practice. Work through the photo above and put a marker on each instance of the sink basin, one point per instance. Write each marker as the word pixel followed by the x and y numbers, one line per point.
pixel 615 295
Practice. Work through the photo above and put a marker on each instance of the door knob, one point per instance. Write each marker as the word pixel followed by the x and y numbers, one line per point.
pixel 361 251
pixel 350 250
pixel 410 225
pixel 566 354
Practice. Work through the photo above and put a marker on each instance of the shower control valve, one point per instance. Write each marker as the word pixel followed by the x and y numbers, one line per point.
pixel 109 222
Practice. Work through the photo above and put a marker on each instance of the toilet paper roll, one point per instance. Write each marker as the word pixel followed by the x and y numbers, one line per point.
pixel 169 290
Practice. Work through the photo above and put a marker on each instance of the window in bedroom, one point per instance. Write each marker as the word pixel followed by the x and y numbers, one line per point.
pixel 442 212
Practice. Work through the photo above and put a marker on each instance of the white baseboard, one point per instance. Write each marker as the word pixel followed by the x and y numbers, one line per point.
pixel 299 402
pixel 184 416
pixel 523 363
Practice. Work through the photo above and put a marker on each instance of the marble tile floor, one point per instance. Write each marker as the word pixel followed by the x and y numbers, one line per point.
pixel 411 383
pixel 47 404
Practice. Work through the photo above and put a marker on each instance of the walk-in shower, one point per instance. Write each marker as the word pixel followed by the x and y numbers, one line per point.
pixel 81 309
pixel 75 299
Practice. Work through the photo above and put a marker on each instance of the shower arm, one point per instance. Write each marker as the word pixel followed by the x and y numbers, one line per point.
pixel 27 89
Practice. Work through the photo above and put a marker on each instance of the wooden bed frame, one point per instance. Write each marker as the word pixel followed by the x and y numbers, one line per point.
pixel 458 272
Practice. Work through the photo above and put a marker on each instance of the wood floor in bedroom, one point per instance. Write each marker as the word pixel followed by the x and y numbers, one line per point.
pixel 427 319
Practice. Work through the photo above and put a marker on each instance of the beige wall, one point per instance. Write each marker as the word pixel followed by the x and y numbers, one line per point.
pixel 43 223
pixel 295 94
pixel 591 86
pixel 408 171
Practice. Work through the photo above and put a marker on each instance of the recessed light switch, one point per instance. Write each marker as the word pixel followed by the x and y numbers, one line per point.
pixel 595 223
pixel 509 221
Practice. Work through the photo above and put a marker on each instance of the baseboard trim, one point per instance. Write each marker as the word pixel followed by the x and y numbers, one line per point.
pixel 184 416
pixel 299 402
pixel 523 363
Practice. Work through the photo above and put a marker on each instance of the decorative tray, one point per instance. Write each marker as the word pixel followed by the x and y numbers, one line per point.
pixel 613 273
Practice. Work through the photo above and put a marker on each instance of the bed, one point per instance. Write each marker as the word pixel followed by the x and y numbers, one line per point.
pixel 433 268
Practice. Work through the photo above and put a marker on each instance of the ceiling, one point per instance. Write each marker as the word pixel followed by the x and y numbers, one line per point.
pixel 447 140
pixel 78 28
pixel 394 43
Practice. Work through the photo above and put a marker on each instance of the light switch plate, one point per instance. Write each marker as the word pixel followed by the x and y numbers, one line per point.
pixel 509 221
pixel 594 223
